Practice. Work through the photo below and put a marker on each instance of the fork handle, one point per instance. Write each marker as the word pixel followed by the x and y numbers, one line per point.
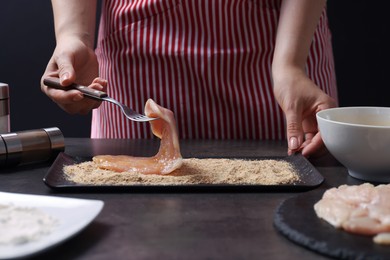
pixel 89 92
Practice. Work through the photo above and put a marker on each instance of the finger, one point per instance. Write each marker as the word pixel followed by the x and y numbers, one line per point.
pixel 75 102
pixel 99 84
pixel 100 81
pixel 294 131
pixel 314 147
pixel 51 71
pixel 65 70
pixel 61 97
pixel 64 96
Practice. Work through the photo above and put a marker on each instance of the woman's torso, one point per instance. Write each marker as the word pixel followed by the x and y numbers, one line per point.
pixel 207 61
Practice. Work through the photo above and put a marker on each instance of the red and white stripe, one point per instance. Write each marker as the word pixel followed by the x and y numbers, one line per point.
pixel 207 61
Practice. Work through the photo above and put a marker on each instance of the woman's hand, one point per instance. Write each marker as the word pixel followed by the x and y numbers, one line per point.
pixel 301 99
pixel 73 61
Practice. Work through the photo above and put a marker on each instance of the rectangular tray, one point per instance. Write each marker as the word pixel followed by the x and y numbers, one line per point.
pixel 309 179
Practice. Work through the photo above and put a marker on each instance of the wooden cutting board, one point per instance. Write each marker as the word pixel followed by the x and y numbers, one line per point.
pixel 295 218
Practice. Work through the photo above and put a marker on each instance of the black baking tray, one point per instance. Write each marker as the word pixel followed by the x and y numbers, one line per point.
pixel 296 219
pixel 309 179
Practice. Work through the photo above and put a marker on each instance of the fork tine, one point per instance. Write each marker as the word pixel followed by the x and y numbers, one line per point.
pixel 128 112
pixel 141 118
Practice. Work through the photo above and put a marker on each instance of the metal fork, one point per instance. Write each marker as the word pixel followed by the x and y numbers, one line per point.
pixel 98 95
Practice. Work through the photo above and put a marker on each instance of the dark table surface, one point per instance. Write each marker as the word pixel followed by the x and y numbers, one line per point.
pixel 176 225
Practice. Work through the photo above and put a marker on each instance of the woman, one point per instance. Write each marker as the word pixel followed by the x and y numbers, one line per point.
pixel 228 69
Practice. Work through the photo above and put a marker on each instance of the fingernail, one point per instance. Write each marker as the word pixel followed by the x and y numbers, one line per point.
pixel 65 76
pixel 293 143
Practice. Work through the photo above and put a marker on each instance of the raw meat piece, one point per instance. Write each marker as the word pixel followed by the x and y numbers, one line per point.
pixel 165 161
pixel 360 209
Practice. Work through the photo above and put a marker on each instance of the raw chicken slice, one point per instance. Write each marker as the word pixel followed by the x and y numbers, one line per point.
pixel 336 212
pixel 380 208
pixel 352 194
pixel 165 161
pixel 364 225
pixel 360 209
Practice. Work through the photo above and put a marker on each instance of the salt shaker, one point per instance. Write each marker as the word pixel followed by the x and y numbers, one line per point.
pixel 4 108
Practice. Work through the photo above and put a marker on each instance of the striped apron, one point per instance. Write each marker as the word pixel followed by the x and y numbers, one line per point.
pixel 209 61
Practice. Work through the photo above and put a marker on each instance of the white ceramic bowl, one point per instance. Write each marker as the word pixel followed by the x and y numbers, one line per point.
pixel 359 138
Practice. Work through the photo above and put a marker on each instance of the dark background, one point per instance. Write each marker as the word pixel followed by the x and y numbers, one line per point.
pixel 360 43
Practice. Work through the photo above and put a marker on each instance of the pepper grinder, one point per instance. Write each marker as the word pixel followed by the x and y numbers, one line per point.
pixel 30 146
pixel 4 108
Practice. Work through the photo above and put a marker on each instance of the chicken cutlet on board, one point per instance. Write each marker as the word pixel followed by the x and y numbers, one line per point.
pixel 360 209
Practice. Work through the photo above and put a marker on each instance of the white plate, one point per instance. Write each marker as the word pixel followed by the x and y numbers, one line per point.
pixel 73 215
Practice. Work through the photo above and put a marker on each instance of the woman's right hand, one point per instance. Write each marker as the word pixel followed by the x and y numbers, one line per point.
pixel 72 61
